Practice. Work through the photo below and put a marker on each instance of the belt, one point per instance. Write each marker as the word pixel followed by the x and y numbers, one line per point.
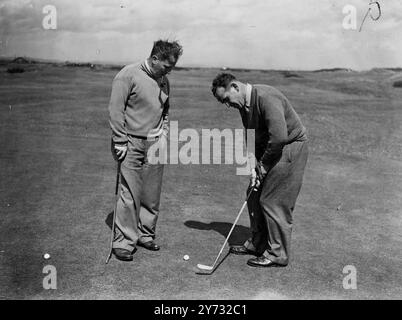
pixel 145 138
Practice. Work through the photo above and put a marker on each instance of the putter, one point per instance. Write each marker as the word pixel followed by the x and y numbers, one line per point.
pixel 211 268
pixel 117 195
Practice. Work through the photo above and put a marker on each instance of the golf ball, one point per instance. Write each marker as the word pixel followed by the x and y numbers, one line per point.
pixel 46 256
pixel 186 257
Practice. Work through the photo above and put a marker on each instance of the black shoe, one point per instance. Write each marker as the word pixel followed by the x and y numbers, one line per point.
pixel 241 250
pixel 123 254
pixel 150 245
pixel 262 262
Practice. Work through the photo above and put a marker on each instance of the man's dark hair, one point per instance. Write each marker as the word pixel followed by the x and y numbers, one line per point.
pixel 222 80
pixel 164 49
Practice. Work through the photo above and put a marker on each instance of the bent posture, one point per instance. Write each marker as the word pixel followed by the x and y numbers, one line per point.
pixel 280 156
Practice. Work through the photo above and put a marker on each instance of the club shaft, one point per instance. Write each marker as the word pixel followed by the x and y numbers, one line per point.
pixel 231 230
pixel 117 195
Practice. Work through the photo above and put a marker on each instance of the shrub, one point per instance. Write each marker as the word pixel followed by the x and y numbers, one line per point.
pixel 289 74
pixel 15 70
pixel 398 84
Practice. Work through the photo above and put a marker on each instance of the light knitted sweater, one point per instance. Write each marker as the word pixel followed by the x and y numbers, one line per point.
pixel 139 104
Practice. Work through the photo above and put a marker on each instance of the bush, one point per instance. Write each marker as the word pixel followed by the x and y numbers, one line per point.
pixel 398 84
pixel 15 70
pixel 289 74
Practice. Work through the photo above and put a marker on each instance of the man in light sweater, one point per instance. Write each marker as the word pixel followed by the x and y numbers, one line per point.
pixel 281 155
pixel 138 111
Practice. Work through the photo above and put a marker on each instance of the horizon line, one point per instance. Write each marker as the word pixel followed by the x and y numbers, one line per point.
pixel 122 64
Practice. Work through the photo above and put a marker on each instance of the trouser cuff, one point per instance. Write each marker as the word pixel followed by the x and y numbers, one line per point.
pixel 145 239
pixel 280 261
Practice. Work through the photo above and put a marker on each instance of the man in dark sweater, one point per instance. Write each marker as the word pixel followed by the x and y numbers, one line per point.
pixel 138 111
pixel 280 157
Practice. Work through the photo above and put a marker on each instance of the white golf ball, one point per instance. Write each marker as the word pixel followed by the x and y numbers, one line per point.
pixel 186 257
pixel 46 256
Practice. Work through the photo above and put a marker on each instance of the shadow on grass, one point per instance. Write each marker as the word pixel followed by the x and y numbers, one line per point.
pixel 239 235
pixel 109 220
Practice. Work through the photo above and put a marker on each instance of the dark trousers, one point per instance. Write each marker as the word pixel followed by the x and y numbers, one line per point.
pixel 138 206
pixel 271 208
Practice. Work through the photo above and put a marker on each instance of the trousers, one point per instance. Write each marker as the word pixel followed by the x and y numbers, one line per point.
pixel 271 207
pixel 140 186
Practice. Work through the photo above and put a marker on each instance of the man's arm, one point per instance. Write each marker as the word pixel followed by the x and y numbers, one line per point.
pixel 120 92
pixel 273 113
pixel 165 113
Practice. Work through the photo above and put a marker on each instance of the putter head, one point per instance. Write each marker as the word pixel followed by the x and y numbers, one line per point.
pixel 204 267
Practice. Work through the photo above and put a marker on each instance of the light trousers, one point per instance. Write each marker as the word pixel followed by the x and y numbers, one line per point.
pixel 140 189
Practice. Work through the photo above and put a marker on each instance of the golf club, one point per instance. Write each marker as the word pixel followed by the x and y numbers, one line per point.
pixel 211 268
pixel 117 195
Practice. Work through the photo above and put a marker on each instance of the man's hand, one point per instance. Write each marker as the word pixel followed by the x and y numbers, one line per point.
pixel 254 181
pixel 120 151
pixel 261 172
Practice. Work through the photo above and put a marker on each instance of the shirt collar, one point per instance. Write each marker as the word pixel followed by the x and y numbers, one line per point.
pixel 248 94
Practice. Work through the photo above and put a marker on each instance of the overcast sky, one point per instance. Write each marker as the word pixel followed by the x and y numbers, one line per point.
pixel 281 34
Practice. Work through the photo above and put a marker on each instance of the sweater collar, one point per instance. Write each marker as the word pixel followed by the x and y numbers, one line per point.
pixel 145 66
pixel 162 81
pixel 249 88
